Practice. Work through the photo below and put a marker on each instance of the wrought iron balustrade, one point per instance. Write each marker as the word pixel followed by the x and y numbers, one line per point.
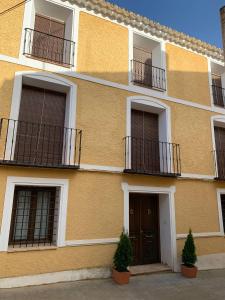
pixel 151 157
pixel 218 95
pixel 49 48
pixel 39 145
pixel 146 75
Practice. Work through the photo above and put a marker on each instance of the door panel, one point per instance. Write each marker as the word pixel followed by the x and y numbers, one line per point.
pixel 144 228
pixel 142 66
pixel 145 142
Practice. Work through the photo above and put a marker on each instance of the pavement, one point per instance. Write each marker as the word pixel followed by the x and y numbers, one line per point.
pixel 209 285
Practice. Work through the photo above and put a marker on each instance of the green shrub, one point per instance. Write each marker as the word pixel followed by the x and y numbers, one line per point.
pixel 189 257
pixel 123 256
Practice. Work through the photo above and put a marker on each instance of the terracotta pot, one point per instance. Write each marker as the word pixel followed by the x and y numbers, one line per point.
pixel 120 277
pixel 189 272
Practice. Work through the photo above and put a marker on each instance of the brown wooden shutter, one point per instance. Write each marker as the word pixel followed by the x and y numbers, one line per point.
pixel 40 130
pixel 220 150
pixel 142 66
pixel 50 45
pixel 223 210
pixel 217 90
pixel 145 141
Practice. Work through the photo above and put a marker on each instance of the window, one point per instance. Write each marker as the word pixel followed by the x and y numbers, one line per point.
pixel 147 63
pixel 223 210
pixel 219 132
pixel 49 34
pixel 34 216
pixel 218 84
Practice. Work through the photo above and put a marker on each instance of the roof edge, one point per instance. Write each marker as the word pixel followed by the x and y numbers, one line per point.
pixel 139 22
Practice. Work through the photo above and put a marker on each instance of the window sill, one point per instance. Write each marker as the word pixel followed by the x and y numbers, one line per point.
pixel 23 249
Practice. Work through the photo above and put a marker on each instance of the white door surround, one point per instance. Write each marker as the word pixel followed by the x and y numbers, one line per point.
pixel 166 215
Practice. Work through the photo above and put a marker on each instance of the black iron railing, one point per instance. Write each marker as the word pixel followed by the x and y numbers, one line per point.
pixel 152 157
pixel 147 75
pixel 218 95
pixel 39 145
pixel 219 163
pixel 49 48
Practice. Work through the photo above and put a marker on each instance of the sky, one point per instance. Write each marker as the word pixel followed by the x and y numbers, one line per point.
pixel 197 18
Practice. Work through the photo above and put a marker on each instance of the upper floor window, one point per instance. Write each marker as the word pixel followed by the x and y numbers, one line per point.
pixel 49 36
pixel 218 84
pixel 146 63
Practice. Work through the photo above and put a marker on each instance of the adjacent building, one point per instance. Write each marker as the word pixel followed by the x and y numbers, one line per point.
pixel 108 121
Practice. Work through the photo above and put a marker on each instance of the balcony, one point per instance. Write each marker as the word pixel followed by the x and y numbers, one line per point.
pixel 39 145
pixel 48 48
pixel 218 95
pixel 152 157
pixel 146 75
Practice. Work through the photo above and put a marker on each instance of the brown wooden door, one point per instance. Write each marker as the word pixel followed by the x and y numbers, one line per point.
pixel 144 228
pixel 40 129
pixel 220 150
pixel 48 38
pixel 145 142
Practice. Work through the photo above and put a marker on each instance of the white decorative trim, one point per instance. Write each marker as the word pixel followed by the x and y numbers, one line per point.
pixel 211 261
pixel 200 234
pixel 197 176
pixel 75 243
pixel 63 184
pixel 170 191
pixel 87 167
pixel 47 278
pixel 144 24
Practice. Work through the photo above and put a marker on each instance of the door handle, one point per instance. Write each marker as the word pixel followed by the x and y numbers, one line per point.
pixel 148 236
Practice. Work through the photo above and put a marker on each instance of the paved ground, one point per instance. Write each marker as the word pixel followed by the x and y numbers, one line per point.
pixel 208 285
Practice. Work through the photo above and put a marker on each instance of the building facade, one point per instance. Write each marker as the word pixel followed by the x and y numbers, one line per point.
pixel 109 121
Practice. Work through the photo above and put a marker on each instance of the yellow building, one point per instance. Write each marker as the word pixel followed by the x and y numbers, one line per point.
pixel 108 121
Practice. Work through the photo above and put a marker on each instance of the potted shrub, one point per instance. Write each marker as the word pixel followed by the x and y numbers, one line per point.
pixel 189 258
pixel 122 259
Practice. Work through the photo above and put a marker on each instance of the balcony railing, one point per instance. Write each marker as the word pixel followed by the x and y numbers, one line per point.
pixel 146 75
pixel 218 95
pixel 151 157
pixel 49 48
pixel 219 163
pixel 39 145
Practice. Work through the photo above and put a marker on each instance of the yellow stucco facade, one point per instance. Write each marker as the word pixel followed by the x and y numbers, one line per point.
pixel 95 203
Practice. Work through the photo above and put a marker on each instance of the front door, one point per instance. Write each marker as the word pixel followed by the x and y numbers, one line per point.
pixel 144 228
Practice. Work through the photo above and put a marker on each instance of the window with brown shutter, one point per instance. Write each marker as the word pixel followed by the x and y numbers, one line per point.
pixel 217 90
pixel 145 141
pixel 40 132
pixel 223 210
pixel 34 216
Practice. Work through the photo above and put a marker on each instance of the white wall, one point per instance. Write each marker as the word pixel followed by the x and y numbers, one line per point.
pixel 165 230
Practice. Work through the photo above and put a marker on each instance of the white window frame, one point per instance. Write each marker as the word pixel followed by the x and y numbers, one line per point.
pixel 162 44
pixel 12 182
pixel 48 80
pixel 28 22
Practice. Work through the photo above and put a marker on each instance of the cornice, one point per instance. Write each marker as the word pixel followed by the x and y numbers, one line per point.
pixel 122 15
